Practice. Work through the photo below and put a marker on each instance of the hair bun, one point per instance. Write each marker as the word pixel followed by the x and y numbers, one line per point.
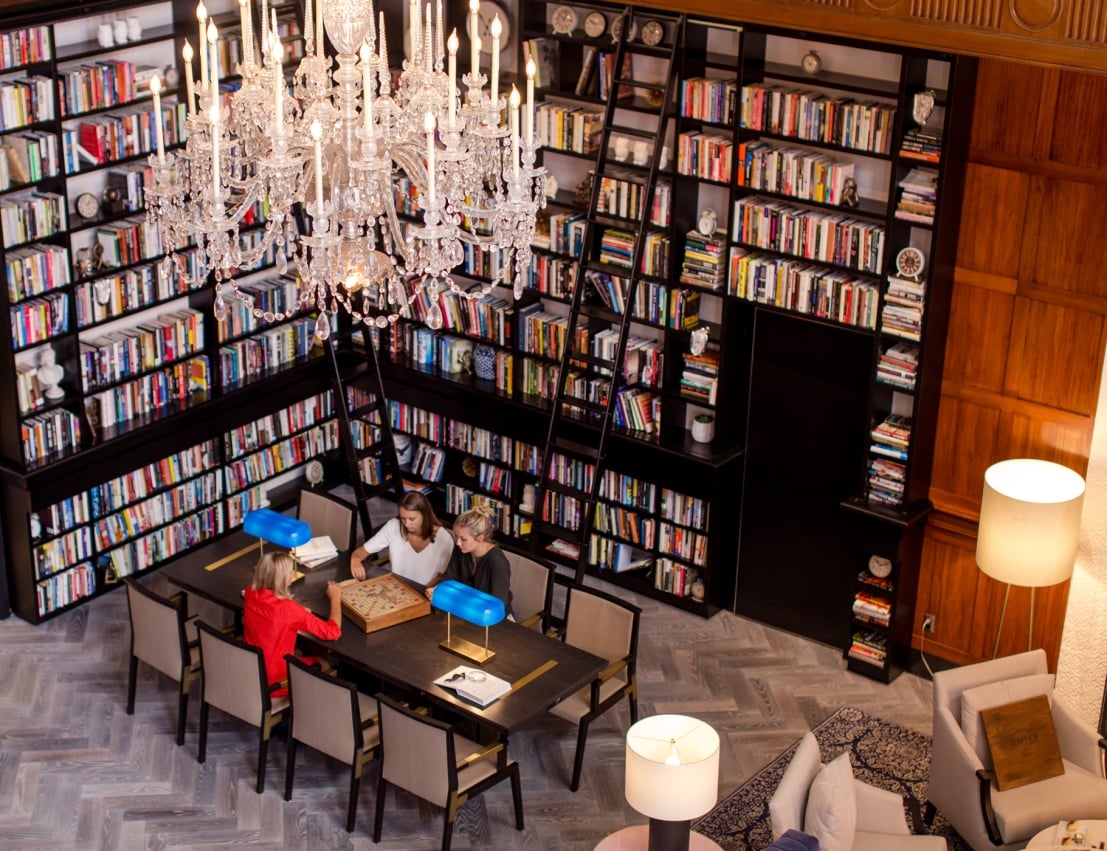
pixel 483 509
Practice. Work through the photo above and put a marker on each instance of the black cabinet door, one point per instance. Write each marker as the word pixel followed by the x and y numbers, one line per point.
pixel 808 399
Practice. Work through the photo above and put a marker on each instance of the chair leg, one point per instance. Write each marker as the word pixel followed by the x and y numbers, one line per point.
pixel 351 806
pixel 290 768
pixel 929 812
pixel 182 713
pixel 203 733
pixel 132 681
pixel 578 761
pixel 263 752
pixel 378 818
pixel 517 795
pixel 448 825
pixel 633 696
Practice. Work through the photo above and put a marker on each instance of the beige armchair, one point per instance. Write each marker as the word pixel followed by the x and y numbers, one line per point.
pixel 235 682
pixel 158 639
pixel 841 811
pixel 531 590
pixel 333 717
pixel 608 627
pixel 962 783
pixel 430 760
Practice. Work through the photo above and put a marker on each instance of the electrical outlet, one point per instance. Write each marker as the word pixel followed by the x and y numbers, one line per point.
pixel 928 622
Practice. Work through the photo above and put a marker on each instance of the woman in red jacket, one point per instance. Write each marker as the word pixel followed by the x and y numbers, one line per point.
pixel 271 617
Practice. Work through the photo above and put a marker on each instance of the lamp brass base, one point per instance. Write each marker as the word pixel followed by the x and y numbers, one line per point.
pixel 467 649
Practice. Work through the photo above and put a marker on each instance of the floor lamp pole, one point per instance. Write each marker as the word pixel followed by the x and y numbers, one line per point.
pixel 1003 615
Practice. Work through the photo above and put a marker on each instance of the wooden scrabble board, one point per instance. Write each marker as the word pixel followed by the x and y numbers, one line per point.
pixel 381 602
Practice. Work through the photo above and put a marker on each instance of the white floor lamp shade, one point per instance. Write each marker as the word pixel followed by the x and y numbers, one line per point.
pixel 672 775
pixel 1029 526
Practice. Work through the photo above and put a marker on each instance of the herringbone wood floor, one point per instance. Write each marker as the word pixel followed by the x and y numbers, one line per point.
pixel 77 772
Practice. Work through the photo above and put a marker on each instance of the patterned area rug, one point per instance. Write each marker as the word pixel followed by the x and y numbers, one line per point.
pixel 883 754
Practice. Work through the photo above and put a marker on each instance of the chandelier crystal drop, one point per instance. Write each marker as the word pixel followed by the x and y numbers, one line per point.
pixel 372 192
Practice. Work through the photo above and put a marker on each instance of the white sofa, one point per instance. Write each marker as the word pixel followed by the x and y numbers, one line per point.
pixel 844 814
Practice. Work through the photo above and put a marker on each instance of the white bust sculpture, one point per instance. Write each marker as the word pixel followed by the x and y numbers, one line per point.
pixel 50 374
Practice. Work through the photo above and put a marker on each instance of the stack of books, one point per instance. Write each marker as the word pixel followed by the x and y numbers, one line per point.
pixel 903 308
pixel 869 607
pixel 869 646
pixel 922 144
pixel 704 263
pixel 888 463
pixel 315 552
pixel 700 377
pixel 898 366
pixel 919 196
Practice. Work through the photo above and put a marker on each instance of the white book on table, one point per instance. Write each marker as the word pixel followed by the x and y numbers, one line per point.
pixel 474 685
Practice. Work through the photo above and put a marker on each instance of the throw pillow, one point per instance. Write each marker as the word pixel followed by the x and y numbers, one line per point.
pixel 831 815
pixel 999 693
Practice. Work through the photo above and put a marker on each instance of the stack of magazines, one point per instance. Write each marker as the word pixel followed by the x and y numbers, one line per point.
pixel 315 552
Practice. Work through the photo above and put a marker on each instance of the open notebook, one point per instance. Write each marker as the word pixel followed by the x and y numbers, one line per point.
pixel 474 685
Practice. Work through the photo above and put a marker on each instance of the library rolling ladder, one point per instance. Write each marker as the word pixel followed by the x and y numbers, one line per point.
pixel 582 413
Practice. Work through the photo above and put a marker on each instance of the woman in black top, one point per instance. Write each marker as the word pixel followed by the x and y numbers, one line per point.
pixel 477 560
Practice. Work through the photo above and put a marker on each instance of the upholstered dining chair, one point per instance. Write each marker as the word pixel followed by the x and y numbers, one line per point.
pixel 608 627
pixel 531 590
pixel 158 638
pixel 429 759
pixel 328 515
pixel 962 780
pixel 331 716
pixel 235 682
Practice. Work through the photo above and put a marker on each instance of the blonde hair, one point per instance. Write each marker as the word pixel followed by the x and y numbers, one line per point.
pixel 274 572
pixel 478 520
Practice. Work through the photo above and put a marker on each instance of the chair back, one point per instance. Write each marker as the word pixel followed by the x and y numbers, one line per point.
pixel 234 675
pixel 328 515
pixel 417 752
pixel 157 629
pixel 325 711
pixel 531 590
pixel 949 684
pixel 602 625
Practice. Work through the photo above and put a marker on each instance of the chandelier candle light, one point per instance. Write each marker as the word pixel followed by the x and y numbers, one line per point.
pixel 337 168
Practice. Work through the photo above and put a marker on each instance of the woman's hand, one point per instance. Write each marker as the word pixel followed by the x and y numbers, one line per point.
pixel 334 591
pixel 357 567
pixel 430 593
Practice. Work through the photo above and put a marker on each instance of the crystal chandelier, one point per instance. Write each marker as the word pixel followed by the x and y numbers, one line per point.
pixel 337 166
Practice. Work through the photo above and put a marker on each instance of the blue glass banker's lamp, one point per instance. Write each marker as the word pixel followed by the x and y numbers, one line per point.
pixel 472 605
pixel 277 528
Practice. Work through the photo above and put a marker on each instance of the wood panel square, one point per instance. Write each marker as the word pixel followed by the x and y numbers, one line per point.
pixel 1023 742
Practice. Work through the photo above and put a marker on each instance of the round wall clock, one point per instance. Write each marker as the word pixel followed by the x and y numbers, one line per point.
pixel 564 20
pixel 910 262
pixel 880 567
pixel 811 63
pixel 486 13
pixel 313 472
pixel 595 24
pixel 653 33
pixel 88 205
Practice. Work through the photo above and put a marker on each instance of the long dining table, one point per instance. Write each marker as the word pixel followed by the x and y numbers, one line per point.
pixel 542 670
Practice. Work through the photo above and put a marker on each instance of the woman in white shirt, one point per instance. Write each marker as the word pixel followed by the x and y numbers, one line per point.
pixel 418 545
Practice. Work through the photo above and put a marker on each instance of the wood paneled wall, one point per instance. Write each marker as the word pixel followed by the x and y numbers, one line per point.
pixel 1026 338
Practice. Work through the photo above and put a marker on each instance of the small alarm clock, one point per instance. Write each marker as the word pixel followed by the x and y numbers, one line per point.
pixel 708 222
pixel 880 567
pixel 811 63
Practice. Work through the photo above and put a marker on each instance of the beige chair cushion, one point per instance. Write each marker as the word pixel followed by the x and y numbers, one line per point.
pixel 574 707
pixel 831 812
pixel 885 842
pixel 999 693
pixel 1023 811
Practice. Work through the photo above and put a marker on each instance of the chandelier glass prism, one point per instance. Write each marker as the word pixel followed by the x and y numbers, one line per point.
pixel 371 191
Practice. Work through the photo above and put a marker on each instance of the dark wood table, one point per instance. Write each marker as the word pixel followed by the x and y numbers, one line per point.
pixel 543 671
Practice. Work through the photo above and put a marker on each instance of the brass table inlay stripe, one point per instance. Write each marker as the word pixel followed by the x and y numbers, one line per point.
pixel 231 557
pixel 533 675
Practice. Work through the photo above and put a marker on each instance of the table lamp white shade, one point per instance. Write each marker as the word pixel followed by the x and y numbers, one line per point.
pixel 1029 522
pixel 672 767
